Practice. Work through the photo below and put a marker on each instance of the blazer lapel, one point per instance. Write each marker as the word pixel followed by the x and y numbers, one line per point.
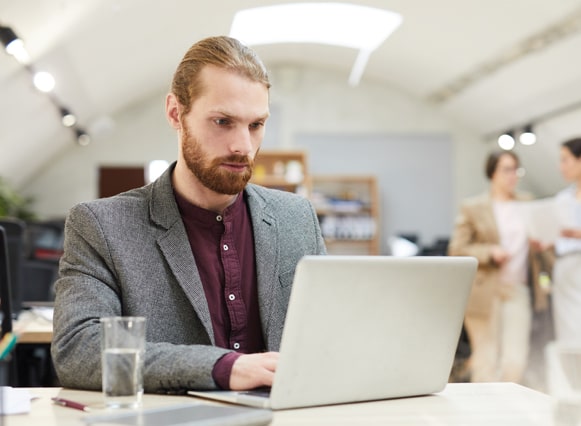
pixel 265 247
pixel 487 218
pixel 178 254
pixel 176 249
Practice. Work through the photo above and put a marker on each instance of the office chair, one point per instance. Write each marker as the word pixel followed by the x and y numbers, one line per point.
pixel 38 278
pixel 44 247
pixel 45 239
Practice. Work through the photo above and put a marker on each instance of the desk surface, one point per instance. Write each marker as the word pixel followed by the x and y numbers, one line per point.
pixel 33 328
pixel 459 404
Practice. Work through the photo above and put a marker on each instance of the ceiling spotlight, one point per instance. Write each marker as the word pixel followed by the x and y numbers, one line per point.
pixel 7 36
pixel 67 117
pixel 527 137
pixel 13 45
pixel 506 141
pixel 83 137
pixel 44 81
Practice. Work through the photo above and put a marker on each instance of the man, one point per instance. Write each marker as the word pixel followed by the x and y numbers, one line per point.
pixel 207 258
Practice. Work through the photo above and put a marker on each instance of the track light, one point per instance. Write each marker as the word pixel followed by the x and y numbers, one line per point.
pixel 83 137
pixel 527 137
pixel 13 44
pixel 44 81
pixel 506 141
pixel 7 36
pixel 68 118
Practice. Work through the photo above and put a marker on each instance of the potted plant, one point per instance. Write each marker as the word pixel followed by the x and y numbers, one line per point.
pixel 13 204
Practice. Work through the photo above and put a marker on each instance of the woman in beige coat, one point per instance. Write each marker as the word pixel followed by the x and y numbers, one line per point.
pixel 499 314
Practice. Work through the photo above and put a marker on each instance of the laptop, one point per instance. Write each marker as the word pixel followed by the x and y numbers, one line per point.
pixel 363 328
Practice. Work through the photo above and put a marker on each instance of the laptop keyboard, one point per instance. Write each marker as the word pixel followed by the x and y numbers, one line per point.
pixel 262 392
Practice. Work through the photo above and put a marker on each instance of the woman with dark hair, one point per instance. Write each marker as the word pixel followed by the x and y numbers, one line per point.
pixel 499 315
pixel 567 268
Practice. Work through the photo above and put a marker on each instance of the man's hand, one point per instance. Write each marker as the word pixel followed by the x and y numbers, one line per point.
pixel 499 255
pixel 571 232
pixel 253 370
pixel 538 246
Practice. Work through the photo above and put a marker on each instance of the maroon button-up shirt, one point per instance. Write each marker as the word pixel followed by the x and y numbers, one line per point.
pixel 223 248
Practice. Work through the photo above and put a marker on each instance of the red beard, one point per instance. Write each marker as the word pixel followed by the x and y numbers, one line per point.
pixel 210 173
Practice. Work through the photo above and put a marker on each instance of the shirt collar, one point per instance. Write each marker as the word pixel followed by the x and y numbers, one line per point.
pixel 207 217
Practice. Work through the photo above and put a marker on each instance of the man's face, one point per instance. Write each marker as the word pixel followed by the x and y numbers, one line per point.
pixel 222 132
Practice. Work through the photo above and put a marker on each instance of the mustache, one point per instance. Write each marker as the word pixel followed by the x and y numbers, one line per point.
pixel 236 159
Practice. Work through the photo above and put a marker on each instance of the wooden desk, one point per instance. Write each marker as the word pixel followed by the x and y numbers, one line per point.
pixel 459 404
pixel 32 352
pixel 32 328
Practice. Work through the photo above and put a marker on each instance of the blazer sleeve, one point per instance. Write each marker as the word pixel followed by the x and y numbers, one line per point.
pixel 88 289
pixel 468 239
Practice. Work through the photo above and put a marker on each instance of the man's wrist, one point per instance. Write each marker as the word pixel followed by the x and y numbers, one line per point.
pixel 223 369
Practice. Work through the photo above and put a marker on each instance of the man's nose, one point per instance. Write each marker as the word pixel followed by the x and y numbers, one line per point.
pixel 242 142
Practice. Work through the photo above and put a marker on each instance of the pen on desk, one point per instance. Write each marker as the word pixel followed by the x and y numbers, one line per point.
pixel 71 404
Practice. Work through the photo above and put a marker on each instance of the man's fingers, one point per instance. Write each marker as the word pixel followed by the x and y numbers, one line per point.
pixel 253 370
pixel 271 361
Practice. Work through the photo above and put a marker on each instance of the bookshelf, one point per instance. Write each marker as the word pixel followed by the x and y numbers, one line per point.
pixel 348 210
pixel 284 170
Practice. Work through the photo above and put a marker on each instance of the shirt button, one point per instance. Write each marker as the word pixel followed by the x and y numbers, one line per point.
pixel 225 247
pixel 231 297
pixel 236 345
pixel 219 218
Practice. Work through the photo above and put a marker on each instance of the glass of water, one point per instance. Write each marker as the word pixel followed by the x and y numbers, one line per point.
pixel 122 353
pixel 564 382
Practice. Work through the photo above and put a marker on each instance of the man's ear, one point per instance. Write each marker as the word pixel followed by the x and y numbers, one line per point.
pixel 172 111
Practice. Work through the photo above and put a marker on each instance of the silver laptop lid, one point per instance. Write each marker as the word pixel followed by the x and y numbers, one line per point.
pixel 363 328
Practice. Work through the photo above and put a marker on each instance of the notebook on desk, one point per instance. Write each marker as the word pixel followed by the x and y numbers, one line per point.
pixel 361 328
pixel 184 415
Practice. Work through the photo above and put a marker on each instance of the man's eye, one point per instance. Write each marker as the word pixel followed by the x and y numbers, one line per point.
pixel 222 121
pixel 256 125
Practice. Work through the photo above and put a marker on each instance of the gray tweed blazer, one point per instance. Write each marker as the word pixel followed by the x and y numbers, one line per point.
pixel 130 255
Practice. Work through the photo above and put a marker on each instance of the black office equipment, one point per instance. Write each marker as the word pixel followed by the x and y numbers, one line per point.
pixel 45 239
pixel 43 247
pixel 14 229
pixel 7 366
pixel 5 291
pixel 38 278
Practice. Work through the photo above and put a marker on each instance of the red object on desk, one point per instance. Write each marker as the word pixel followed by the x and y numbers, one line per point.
pixel 71 404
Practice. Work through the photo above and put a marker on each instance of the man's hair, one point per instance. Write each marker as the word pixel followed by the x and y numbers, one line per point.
pixel 493 159
pixel 223 52
pixel 573 145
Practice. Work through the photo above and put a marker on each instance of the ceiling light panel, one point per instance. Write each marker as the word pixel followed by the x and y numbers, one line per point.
pixel 339 24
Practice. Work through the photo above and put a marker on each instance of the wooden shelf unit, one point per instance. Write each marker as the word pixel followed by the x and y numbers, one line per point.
pixel 285 170
pixel 348 209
